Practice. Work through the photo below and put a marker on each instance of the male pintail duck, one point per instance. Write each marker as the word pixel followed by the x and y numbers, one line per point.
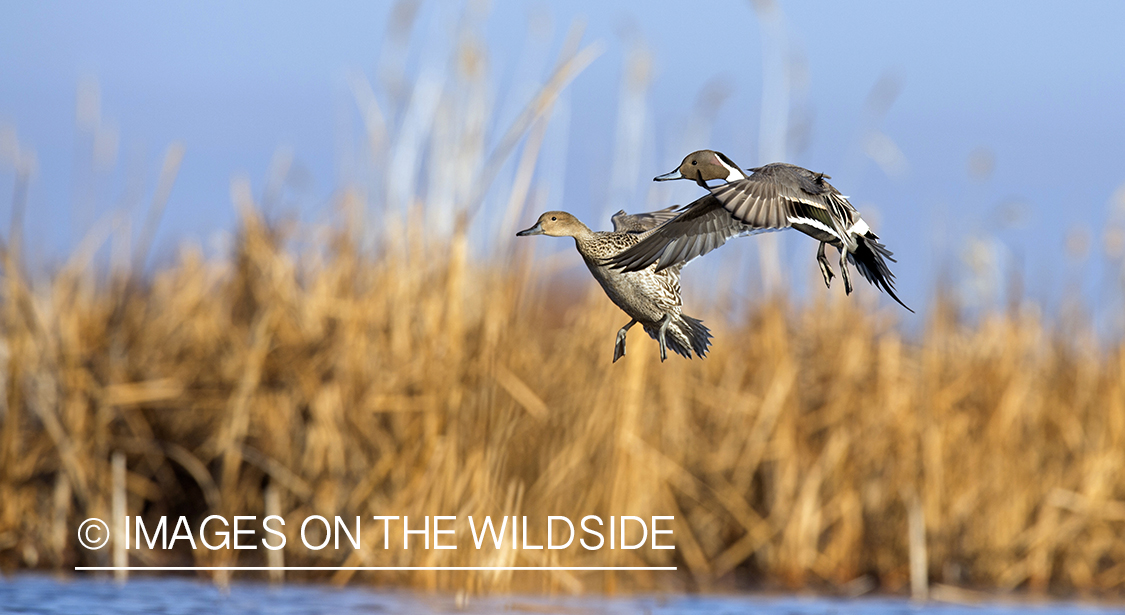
pixel 773 197
pixel 648 296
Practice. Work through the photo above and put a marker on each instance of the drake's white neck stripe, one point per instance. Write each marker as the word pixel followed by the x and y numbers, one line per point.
pixel 733 174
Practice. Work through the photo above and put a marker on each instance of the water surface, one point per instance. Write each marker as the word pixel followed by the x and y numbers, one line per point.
pixel 85 595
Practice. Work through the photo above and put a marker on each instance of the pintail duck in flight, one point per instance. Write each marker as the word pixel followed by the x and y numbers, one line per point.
pixel 648 296
pixel 773 197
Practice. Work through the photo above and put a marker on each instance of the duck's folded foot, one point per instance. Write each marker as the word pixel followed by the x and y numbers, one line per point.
pixel 844 272
pixel 619 346
pixel 660 337
pixel 825 268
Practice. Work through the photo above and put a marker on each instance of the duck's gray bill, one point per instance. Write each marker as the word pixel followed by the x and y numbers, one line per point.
pixel 667 176
pixel 535 230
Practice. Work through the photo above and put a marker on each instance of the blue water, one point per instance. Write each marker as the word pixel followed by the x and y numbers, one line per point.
pixel 78 596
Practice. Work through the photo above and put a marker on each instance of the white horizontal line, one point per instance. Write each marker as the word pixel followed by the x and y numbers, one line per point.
pixel 311 568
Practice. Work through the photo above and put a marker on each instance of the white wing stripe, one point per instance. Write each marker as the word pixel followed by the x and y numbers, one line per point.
pixel 813 223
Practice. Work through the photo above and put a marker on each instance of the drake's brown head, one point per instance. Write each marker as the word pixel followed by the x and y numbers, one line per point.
pixel 704 165
pixel 556 224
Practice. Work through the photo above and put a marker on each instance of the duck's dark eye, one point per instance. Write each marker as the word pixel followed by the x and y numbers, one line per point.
pixel 554 218
pixel 693 163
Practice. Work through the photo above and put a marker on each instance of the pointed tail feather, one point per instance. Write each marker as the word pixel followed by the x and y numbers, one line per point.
pixel 870 258
pixel 686 335
pixel 697 333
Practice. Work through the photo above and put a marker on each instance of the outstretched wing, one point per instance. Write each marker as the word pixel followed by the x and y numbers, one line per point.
pixel 778 196
pixel 699 228
pixel 639 223
pixel 774 197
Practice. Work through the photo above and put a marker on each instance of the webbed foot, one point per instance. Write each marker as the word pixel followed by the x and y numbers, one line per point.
pixel 619 345
pixel 844 272
pixel 825 268
pixel 660 337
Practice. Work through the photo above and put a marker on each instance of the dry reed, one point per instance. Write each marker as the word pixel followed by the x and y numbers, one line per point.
pixel 381 370
pixel 417 381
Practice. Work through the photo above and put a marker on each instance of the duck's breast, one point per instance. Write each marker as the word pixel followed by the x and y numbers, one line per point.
pixel 644 295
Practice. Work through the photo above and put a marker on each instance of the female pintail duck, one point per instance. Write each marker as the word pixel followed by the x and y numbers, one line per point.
pixel 648 296
pixel 773 197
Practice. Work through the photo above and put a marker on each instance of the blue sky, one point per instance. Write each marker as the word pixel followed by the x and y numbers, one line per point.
pixel 1036 88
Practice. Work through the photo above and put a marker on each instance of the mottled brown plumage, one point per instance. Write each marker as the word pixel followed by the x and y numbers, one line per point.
pixel 648 296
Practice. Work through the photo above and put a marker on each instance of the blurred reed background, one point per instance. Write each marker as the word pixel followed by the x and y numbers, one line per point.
pixel 407 358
